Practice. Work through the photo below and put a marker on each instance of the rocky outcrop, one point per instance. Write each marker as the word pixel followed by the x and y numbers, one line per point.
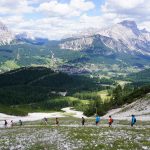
pixel 6 36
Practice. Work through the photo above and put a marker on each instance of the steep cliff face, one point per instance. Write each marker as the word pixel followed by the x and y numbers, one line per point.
pixel 77 44
pixel 135 40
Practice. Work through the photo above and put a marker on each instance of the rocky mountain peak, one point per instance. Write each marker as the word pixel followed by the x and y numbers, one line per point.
pixel 3 26
pixel 124 37
pixel 144 31
pixel 131 25
pixel 6 36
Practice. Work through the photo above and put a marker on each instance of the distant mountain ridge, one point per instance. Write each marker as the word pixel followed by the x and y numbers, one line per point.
pixel 121 48
pixel 124 37
pixel 7 37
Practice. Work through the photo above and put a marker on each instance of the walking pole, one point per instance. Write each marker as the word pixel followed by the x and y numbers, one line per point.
pixel 141 120
pixel 96 110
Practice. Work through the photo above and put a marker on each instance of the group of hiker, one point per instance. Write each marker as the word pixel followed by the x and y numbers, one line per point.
pixel 46 121
pixel 11 123
pixel 110 120
pixel 97 120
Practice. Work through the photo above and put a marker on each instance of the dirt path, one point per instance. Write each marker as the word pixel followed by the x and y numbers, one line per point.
pixel 87 126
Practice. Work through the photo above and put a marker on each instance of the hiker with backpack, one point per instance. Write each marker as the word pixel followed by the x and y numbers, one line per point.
pixel 20 123
pixel 83 121
pixel 133 120
pixel 45 121
pixel 97 119
pixel 110 121
pixel 5 123
pixel 12 123
pixel 57 122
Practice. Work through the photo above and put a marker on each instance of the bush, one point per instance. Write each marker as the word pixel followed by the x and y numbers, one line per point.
pixel 12 111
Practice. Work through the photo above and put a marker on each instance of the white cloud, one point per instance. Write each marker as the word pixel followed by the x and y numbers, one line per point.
pixel 136 9
pixel 11 7
pixel 111 5
pixel 118 10
pixel 82 5
pixel 53 8
pixel 92 21
pixel 145 24
pixel 56 18
pixel 13 19
pixel 74 8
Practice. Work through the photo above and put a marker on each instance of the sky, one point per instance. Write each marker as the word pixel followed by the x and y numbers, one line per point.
pixel 54 19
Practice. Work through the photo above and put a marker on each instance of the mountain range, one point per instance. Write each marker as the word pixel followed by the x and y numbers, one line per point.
pixel 124 37
pixel 121 48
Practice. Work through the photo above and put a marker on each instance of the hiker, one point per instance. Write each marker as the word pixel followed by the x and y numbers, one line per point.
pixel 133 120
pixel 46 121
pixel 57 122
pixel 12 123
pixel 20 123
pixel 5 124
pixel 110 121
pixel 97 119
pixel 83 121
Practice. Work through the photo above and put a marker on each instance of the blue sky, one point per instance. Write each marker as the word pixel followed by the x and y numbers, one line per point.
pixel 57 18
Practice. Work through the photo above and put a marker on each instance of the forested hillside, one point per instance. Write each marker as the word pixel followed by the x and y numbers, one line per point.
pixel 45 77
pixel 141 76
pixel 36 88
pixel 41 86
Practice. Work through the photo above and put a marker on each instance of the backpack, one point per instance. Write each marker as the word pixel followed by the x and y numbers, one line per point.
pixel 134 120
pixel 97 119
pixel 111 120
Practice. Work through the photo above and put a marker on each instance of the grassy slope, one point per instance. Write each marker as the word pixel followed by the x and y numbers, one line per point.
pixel 13 111
pixel 102 94
pixel 39 136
